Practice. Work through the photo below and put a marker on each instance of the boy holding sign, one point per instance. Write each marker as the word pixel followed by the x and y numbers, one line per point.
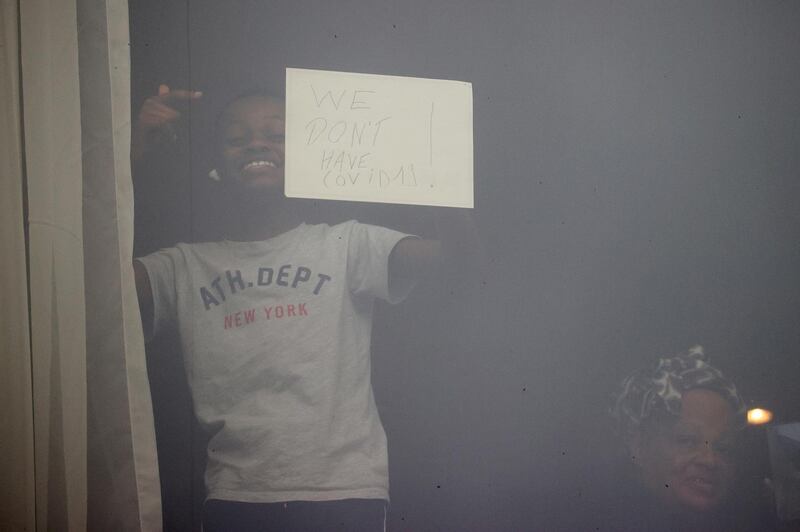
pixel 275 326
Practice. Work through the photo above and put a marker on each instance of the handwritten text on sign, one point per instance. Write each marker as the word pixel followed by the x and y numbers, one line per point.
pixel 376 138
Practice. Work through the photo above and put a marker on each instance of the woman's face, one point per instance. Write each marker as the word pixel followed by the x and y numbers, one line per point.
pixel 688 463
pixel 251 138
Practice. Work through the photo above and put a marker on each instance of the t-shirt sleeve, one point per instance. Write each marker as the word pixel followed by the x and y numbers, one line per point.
pixel 368 253
pixel 162 267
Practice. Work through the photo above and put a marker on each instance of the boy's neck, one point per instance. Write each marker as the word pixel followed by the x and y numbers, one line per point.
pixel 260 217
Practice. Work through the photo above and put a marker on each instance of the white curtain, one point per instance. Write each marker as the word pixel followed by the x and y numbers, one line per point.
pixel 16 430
pixel 79 449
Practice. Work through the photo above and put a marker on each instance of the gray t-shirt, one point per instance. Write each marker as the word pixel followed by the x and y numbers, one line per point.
pixel 276 342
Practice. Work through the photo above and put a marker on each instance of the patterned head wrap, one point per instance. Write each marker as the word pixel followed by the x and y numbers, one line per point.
pixel 659 389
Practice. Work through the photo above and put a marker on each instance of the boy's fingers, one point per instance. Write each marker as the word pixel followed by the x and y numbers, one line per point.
pixel 160 111
pixel 156 108
pixel 157 116
pixel 155 102
pixel 161 115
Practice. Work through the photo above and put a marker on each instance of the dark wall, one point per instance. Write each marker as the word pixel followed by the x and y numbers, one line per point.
pixel 637 181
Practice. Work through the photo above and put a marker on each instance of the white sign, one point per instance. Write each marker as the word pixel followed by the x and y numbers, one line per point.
pixel 386 139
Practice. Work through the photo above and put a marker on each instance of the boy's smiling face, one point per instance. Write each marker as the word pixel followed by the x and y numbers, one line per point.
pixel 251 140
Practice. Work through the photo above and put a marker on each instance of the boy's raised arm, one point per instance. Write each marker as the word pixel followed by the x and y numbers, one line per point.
pixel 154 125
pixel 457 248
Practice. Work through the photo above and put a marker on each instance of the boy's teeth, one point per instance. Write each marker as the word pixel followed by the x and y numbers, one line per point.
pixel 259 164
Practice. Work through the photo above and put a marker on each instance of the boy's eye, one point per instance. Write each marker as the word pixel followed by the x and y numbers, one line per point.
pixel 277 138
pixel 236 141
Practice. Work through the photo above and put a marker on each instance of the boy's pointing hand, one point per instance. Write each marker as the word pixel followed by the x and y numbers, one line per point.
pixel 155 123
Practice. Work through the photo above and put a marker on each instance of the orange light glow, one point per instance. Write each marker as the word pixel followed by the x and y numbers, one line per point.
pixel 758 416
